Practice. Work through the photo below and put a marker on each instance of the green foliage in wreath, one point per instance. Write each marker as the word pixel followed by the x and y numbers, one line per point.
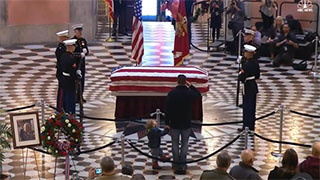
pixel 5 134
pixel 58 126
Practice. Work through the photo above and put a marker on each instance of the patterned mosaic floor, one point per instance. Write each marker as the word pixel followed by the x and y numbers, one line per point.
pixel 28 75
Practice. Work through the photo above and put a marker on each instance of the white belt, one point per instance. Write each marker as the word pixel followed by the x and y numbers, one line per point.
pixel 65 74
pixel 249 78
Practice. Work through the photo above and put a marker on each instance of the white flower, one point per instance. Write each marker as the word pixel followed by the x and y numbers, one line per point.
pixel 43 129
pixel 49 138
pixel 53 116
pixel 73 130
pixel 49 151
pixel 56 151
pixel 67 121
pixel 76 140
pixel 69 125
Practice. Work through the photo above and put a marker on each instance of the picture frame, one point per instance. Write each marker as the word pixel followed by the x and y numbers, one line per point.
pixel 25 129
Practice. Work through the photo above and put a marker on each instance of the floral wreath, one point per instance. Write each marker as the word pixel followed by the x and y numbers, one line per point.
pixel 57 125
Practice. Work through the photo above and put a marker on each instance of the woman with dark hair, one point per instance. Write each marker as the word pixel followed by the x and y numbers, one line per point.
pixel 289 166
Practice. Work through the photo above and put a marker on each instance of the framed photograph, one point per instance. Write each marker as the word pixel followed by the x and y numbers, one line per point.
pixel 25 129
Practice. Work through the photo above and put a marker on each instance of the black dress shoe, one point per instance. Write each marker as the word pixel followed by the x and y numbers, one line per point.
pixel 124 33
pixel 84 101
pixel 240 129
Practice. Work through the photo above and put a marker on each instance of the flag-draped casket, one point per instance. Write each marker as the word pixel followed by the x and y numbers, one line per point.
pixel 142 90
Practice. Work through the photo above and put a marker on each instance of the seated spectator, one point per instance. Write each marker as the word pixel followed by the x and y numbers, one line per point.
pixel 276 29
pixel 138 177
pixel 286 44
pixel 127 170
pixel 107 167
pixel 257 36
pixel 294 24
pixel 250 39
pixel 223 163
pixel 312 164
pixel 272 34
pixel 245 169
pixel 289 166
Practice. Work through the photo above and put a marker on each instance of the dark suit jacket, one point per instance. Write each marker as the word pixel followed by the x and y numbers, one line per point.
pixel 179 105
pixel 244 172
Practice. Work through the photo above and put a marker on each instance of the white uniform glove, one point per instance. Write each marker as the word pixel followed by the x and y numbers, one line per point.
pixel 84 50
pixel 82 55
pixel 79 75
pixel 239 59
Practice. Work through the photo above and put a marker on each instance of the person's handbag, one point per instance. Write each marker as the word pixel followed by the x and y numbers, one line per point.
pixel 300 66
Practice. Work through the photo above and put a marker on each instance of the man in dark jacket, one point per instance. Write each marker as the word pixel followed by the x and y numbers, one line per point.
pixel 249 73
pixel 312 164
pixel 244 170
pixel 287 45
pixel 179 105
pixel 220 173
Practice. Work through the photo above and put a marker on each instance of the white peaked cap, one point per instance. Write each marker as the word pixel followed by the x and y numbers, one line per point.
pixel 249 31
pixel 249 48
pixel 77 26
pixel 63 33
pixel 70 42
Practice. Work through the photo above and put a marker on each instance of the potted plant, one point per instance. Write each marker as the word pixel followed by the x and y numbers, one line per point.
pixel 5 134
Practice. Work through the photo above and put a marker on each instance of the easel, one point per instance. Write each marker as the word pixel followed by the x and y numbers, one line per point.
pixel 25 162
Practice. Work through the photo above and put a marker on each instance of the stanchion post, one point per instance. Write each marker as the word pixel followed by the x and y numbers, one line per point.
pixel 281 127
pixel 315 72
pixel 42 110
pixel 42 103
pixel 239 67
pixel 239 43
pixel 122 150
pixel 158 117
pixel 246 139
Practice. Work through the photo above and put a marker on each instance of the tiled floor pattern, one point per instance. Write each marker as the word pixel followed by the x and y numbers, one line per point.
pixel 27 75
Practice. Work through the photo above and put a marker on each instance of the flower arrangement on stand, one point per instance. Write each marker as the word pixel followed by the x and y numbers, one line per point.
pixel 61 134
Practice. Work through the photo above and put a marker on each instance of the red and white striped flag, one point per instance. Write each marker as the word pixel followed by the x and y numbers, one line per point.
pixel 137 33
pixel 109 4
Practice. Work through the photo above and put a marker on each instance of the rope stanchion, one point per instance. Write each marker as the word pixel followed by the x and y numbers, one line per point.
pixel 187 162
pixel 96 149
pixel 229 123
pixel 20 108
pixel 77 153
pixel 267 115
pixel 304 114
pixel 52 107
pixel 39 150
pixel 282 142
pixel 215 124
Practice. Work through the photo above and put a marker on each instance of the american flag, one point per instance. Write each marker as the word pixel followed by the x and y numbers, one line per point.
pixel 109 4
pixel 137 33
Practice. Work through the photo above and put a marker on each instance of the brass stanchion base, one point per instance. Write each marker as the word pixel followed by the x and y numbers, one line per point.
pixel 315 74
pixel 110 39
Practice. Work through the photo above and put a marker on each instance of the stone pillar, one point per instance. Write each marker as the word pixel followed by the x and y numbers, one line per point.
pixel 84 12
